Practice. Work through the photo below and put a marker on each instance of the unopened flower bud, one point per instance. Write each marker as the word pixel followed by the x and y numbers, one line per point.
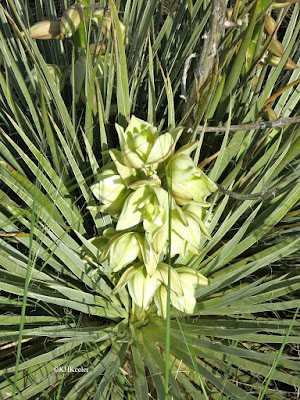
pixel 70 20
pixel 229 12
pixel 276 48
pixel 269 114
pixel 275 60
pixel 46 30
pixel 290 64
pixel 270 25
pixel 254 82
pixel 283 3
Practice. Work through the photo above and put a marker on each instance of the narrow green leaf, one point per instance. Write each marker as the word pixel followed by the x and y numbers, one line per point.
pixel 122 78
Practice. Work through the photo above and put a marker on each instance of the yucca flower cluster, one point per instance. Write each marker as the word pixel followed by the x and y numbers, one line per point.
pixel 136 192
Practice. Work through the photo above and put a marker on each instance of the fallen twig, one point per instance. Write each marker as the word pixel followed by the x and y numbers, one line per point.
pixel 277 123
pixel 251 196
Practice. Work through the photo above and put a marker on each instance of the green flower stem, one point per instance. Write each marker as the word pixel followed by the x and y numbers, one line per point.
pixel 30 266
pixel 168 319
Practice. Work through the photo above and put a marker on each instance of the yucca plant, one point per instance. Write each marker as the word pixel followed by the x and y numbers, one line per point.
pixel 149 166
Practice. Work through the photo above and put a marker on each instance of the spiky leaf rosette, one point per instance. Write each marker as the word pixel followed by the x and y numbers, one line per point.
pixel 58 312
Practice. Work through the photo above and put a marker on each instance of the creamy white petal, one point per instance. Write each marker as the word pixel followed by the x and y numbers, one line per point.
pixel 142 288
pixel 124 251
pixel 132 212
pixel 160 299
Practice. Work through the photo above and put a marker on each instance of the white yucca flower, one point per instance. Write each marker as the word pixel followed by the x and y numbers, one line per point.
pixel 189 279
pixel 142 146
pixel 122 249
pixel 185 234
pixel 142 287
pixel 183 297
pixel 188 182
pixel 111 191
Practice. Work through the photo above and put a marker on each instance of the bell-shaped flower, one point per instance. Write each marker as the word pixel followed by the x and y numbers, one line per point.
pixel 141 287
pixel 188 182
pixel 155 220
pixel 189 279
pixel 178 245
pixel 150 257
pixel 196 209
pixel 142 145
pixel 147 204
pixel 162 274
pixel 111 191
pixel 183 295
pixel 134 207
pixel 122 249
pixel 147 198
pixel 128 174
pixel 185 234
pixel 199 214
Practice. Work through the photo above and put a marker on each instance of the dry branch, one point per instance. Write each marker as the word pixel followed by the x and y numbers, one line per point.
pixel 277 123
